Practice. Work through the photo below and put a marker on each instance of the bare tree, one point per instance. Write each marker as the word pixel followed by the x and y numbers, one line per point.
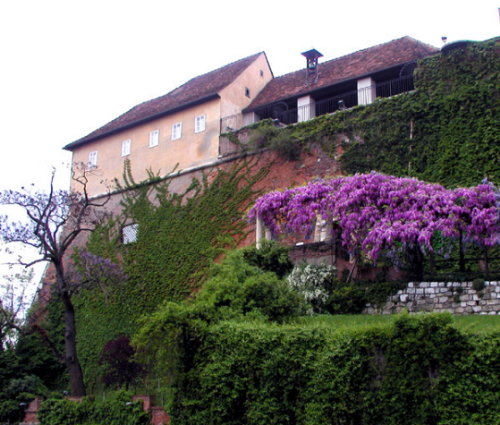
pixel 54 220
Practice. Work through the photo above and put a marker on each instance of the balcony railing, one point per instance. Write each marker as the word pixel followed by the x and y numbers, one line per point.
pixel 341 101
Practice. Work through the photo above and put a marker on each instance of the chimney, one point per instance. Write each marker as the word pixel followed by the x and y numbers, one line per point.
pixel 312 57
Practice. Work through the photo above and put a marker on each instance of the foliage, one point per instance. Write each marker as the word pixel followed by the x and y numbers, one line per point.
pixel 180 233
pixel 115 411
pixel 270 256
pixel 28 368
pixel 327 294
pixel 414 371
pixel 315 283
pixel 237 290
pixel 118 358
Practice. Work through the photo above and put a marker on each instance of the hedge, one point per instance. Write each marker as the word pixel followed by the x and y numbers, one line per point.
pixel 417 370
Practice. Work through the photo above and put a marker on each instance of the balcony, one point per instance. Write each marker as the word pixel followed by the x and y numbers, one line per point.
pixel 282 112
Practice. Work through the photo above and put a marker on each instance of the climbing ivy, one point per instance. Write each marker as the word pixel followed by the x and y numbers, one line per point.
pixel 445 131
pixel 179 235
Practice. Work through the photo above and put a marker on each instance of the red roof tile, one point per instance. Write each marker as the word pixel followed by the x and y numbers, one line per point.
pixel 344 68
pixel 196 90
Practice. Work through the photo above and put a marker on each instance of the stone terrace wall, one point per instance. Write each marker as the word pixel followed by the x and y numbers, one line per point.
pixel 455 297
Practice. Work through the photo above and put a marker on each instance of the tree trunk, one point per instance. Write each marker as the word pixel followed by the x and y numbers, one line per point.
pixel 76 384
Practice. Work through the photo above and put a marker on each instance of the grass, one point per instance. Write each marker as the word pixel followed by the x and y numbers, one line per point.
pixel 473 324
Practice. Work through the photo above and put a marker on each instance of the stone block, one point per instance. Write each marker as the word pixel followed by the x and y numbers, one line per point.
pixel 434 284
pixel 419 291
pixel 403 298
pixel 424 284
pixel 443 299
pixel 476 309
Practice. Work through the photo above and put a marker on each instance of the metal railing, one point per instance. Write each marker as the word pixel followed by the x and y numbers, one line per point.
pixel 330 105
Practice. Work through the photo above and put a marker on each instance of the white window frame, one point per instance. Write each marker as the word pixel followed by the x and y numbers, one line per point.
pixel 129 233
pixel 176 131
pixel 92 163
pixel 154 137
pixel 126 144
pixel 199 123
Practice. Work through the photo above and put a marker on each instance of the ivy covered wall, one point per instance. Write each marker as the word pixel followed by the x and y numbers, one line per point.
pixel 179 236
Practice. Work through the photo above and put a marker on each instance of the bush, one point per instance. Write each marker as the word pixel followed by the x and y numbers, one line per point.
pixel 121 368
pixel 418 370
pixel 116 411
pixel 315 283
pixel 270 257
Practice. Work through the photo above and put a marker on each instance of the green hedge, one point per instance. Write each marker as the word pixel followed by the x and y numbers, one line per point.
pixel 116 411
pixel 418 370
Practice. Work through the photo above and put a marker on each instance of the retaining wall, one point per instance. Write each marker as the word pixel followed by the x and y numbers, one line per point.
pixel 454 297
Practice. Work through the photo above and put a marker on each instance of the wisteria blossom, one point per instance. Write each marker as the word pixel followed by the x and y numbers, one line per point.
pixel 375 212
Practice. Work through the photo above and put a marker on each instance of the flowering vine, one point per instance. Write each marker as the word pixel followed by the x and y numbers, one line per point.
pixel 375 212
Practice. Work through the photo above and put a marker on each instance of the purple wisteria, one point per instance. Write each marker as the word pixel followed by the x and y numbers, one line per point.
pixel 375 212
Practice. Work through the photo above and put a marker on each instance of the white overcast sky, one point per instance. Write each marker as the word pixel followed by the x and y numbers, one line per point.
pixel 69 66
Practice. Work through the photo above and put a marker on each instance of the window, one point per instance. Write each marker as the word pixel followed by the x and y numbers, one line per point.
pixel 153 138
pixel 247 92
pixel 199 124
pixel 261 73
pixel 129 233
pixel 92 160
pixel 126 147
pixel 176 131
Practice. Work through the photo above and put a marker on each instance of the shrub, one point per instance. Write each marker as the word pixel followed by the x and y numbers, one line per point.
pixel 115 411
pixel 315 283
pixel 270 257
pixel 418 370
pixel 121 368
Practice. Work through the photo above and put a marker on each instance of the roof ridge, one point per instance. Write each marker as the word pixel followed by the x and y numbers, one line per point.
pixel 360 51
pixel 181 96
pixel 191 80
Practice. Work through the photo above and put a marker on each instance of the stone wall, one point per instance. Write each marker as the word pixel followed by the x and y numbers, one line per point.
pixel 475 297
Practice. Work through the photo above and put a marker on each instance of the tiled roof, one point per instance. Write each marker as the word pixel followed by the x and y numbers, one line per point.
pixel 196 90
pixel 362 62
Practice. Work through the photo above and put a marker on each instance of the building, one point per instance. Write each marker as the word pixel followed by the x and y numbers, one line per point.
pixel 183 127
pixel 180 129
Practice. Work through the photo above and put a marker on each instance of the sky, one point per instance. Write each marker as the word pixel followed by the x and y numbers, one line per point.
pixel 67 67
